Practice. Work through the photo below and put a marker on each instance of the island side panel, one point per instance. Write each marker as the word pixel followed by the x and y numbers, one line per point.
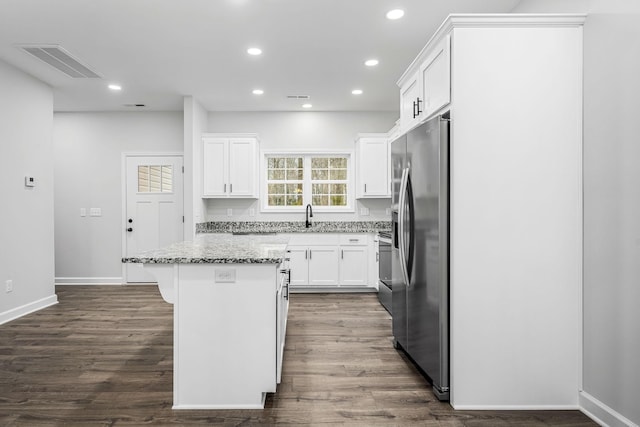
pixel 224 335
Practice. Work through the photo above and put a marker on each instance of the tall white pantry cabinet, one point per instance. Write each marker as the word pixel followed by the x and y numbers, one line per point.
pixel 513 86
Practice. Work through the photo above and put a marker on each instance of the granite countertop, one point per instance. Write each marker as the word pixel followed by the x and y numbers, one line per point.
pixel 293 227
pixel 218 249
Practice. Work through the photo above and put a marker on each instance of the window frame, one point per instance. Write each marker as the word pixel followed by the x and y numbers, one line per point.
pixel 306 192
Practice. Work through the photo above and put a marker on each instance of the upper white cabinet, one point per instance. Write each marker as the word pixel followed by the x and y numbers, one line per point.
pixel 372 151
pixel 435 79
pixel 426 87
pixel 409 101
pixel 229 166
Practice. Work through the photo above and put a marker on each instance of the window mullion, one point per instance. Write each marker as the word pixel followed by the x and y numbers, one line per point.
pixel 306 188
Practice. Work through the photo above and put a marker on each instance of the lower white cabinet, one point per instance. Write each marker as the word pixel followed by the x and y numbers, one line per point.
pixel 330 261
pixel 323 266
pixel 354 260
pixel 313 265
pixel 282 311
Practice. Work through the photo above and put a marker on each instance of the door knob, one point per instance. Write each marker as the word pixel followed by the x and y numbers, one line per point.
pixel 129 229
pixel 130 220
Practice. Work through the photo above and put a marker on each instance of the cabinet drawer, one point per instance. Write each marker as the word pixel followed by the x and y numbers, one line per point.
pixel 355 239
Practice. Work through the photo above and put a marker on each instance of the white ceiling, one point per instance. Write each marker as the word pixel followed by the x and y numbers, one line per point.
pixel 162 50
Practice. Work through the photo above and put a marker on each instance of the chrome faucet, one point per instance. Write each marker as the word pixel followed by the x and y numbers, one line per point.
pixel 309 214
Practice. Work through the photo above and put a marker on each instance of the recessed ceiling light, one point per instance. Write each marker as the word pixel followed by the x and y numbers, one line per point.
pixel 258 91
pixel 395 14
pixel 357 91
pixel 307 105
pixel 254 51
pixel 371 62
pixel 115 87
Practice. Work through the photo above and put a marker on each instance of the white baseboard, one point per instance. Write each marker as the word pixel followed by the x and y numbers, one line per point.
pixel 17 312
pixel 331 290
pixel 601 413
pixel 89 281
pixel 515 407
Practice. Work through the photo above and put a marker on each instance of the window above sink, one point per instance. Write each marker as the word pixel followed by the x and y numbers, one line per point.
pixel 291 180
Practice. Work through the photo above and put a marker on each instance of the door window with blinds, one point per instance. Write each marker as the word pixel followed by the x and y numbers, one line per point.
pixel 294 180
pixel 155 178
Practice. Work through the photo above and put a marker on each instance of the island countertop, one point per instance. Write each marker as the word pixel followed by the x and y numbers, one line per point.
pixel 218 248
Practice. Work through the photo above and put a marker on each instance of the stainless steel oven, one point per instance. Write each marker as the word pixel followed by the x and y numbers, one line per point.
pixel 384 269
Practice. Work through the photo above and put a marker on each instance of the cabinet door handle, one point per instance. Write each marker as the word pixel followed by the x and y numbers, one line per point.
pixel 418 101
pixel 309 253
pixel 377 257
pixel 342 254
pixel 306 251
pixel 230 188
pixel 365 188
pixel 414 109
pixel 225 188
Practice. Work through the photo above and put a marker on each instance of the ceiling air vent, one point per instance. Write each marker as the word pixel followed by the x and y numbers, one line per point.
pixel 298 96
pixel 61 60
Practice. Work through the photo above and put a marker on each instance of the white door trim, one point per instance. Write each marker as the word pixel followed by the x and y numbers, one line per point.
pixel 123 197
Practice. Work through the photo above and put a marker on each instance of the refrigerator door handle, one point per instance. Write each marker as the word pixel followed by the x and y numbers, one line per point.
pixel 401 222
pixel 411 217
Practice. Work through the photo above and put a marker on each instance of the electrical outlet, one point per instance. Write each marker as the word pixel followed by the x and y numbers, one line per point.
pixel 83 211
pixel 364 211
pixel 225 275
pixel 229 212
pixel 9 285
pixel 95 212
pixel 252 212
pixel 388 211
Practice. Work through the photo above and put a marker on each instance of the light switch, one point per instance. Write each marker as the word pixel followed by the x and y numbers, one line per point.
pixel 29 181
pixel 83 211
pixel 95 212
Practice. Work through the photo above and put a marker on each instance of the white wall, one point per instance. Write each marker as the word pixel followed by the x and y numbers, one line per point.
pixel 195 123
pixel 26 217
pixel 299 131
pixel 611 372
pixel 87 155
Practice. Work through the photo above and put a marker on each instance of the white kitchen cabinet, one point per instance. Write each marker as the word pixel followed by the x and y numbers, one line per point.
pixel 426 87
pixel 515 188
pixel 323 266
pixel 282 312
pixel 372 162
pixel 330 261
pixel 299 265
pixel 410 104
pixel 435 79
pixel 354 260
pixel 229 166
pixel 228 332
pixel 313 265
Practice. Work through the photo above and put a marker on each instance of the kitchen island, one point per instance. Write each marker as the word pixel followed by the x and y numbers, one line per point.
pixel 230 297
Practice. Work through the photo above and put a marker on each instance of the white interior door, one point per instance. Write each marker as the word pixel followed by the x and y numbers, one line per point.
pixel 154 207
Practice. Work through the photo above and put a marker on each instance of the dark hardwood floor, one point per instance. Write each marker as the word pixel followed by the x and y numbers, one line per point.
pixel 103 357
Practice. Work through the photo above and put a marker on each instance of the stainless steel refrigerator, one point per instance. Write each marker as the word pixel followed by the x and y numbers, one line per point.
pixel 420 261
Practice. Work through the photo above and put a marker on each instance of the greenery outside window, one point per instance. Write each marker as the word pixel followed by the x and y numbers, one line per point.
pixel 295 180
pixel 329 181
pixel 285 181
